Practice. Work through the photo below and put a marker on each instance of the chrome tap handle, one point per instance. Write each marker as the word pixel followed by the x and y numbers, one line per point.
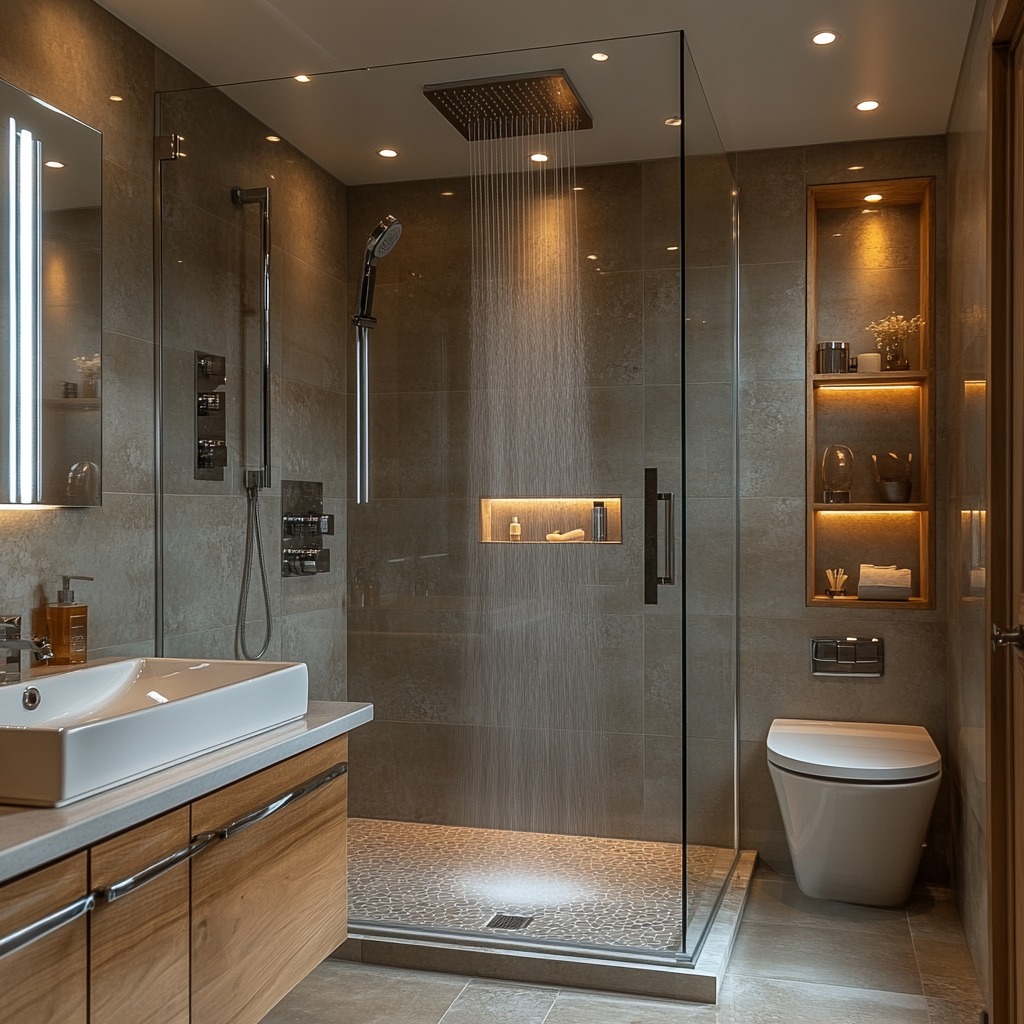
pixel 43 651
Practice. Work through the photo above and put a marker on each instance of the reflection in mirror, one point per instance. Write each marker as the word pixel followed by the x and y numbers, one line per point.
pixel 50 305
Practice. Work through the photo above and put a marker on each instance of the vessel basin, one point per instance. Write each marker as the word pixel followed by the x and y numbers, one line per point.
pixel 69 734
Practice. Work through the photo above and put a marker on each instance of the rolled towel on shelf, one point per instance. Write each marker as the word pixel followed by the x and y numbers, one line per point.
pixel 884 583
pixel 572 535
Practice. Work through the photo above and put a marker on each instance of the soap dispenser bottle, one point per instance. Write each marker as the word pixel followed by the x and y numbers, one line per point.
pixel 515 529
pixel 68 624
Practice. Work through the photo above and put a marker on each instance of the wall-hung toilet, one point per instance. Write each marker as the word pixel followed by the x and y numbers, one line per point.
pixel 856 799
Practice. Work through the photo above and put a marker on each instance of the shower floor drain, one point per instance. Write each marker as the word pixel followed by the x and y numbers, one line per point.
pixel 511 922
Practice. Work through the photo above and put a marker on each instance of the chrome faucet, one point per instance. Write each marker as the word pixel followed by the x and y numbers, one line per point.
pixel 10 639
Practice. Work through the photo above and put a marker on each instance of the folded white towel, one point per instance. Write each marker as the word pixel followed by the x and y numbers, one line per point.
pixel 885 576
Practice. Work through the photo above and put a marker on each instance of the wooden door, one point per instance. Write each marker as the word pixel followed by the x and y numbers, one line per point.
pixel 45 982
pixel 268 903
pixel 138 944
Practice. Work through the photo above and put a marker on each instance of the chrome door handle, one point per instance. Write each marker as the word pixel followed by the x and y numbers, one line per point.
pixel 1007 637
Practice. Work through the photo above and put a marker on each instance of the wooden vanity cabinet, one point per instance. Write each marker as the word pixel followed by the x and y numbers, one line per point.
pixel 138 944
pixel 268 903
pixel 227 903
pixel 47 982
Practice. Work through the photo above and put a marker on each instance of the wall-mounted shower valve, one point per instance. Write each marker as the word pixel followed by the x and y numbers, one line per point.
pixel 210 416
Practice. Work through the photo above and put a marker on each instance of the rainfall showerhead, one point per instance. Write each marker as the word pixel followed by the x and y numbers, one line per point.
pixel 381 241
pixel 499 108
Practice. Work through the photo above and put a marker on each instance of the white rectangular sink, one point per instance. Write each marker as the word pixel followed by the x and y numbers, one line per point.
pixel 106 723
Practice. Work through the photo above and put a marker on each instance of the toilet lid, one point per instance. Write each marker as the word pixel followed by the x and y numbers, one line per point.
pixel 853 750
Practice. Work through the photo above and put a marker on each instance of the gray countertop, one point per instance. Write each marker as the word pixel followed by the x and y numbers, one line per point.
pixel 33 836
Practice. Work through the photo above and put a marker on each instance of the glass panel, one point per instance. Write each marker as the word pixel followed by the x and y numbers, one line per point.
pixel 527 757
pixel 710 295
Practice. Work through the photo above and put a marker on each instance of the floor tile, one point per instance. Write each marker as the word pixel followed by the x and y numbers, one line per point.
pixel 497 1002
pixel 340 992
pixel 747 1000
pixel 844 957
pixel 595 1008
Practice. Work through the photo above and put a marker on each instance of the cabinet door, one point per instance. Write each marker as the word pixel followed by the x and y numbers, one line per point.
pixel 268 903
pixel 45 982
pixel 139 943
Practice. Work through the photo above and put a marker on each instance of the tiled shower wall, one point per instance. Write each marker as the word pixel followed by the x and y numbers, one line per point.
pixel 775 625
pixel 74 55
pixel 212 282
pixel 412 541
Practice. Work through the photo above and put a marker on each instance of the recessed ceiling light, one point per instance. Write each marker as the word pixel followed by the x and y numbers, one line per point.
pixel 303 78
pixel 867 105
pixel 855 167
pixel 824 38
pixel 673 122
pixel 447 193
pixel 388 153
pixel 577 188
pixel 54 163
pixel 273 138
pixel 599 56
pixel 539 158
pixel 114 98
pixel 592 256
pixel 873 198
pixel 672 248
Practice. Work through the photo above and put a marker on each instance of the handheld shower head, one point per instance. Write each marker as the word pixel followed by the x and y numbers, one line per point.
pixel 381 241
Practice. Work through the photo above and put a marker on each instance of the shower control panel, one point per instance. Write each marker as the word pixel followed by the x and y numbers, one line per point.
pixel 847 656
pixel 303 527
pixel 211 418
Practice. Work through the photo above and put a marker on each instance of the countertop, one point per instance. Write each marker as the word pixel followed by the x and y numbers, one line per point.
pixel 33 836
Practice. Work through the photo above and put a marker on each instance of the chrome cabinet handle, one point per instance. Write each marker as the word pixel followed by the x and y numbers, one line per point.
pixel 277 804
pixel 154 871
pixel 46 925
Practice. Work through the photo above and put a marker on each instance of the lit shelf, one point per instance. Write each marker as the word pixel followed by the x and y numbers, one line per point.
pixel 891 378
pixel 914 602
pixel 870 506
pixel 539 517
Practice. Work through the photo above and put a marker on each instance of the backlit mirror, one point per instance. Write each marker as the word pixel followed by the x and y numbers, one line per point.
pixel 50 305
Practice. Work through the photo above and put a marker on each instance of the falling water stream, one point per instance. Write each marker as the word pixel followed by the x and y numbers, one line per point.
pixel 537 759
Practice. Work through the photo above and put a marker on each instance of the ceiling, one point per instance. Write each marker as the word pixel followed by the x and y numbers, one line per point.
pixel 766 84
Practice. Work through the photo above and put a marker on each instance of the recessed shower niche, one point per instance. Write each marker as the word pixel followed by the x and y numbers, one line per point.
pixel 551 520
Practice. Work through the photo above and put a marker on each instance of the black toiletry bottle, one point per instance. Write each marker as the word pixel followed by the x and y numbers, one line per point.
pixel 600 529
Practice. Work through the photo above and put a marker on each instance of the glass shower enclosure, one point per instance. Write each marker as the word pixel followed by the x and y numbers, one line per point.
pixel 539 595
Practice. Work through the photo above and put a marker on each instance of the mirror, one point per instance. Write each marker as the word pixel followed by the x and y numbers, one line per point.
pixel 50 305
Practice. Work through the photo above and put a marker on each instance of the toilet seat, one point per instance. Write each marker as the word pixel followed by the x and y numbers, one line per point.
pixel 853 751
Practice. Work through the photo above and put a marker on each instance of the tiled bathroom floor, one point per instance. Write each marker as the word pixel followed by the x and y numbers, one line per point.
pixel 604 892
pixel 796 960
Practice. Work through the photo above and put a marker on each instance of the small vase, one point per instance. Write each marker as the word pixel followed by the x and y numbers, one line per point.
pixel 895 358
pixel 892 473
pixel 837 474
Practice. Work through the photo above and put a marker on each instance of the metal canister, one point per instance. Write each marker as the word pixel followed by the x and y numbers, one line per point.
pixel 833 356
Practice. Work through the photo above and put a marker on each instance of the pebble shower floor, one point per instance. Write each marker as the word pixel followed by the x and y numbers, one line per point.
pixel 580 890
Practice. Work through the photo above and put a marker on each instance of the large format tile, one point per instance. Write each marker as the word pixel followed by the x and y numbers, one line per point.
pixel 500 1003
pixel 338 992
pixel 788 952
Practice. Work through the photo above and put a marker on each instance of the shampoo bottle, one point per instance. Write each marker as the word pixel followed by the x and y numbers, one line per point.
pixel 68 624
pixel 599 533
pixel 515 529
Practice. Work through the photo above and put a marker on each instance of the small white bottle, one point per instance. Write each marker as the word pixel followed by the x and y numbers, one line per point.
pixel 515 529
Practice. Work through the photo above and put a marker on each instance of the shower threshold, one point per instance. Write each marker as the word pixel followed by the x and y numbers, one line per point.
pixel 570 910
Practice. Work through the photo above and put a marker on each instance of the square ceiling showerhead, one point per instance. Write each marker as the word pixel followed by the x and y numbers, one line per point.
pixel 498 108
